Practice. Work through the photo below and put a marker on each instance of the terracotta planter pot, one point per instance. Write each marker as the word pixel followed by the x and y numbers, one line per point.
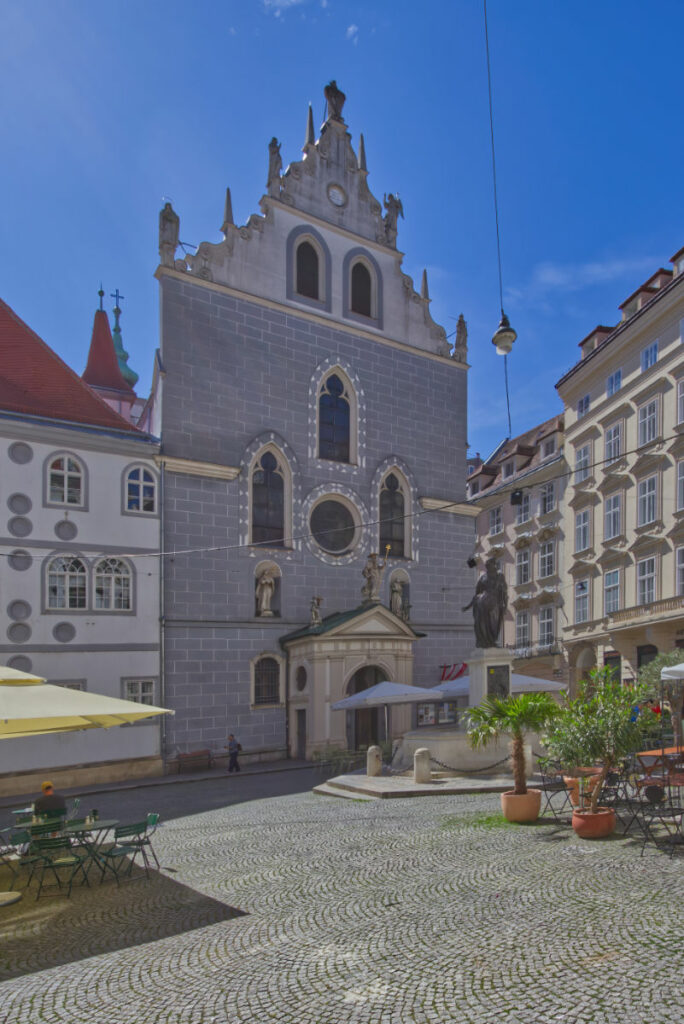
pixel 521 808
pixel 572 783
pixel 590 825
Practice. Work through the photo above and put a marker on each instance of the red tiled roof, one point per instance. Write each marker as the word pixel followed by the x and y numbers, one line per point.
pixel 36 382
pixel 103 370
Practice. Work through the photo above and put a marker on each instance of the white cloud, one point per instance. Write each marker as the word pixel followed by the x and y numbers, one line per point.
pixel 352 34
pixel 276 7
pixel 556 279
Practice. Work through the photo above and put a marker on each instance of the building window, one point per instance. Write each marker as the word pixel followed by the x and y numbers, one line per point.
pixel 141 490
pixel 680 571
pixel 547 559
pixel 522 514
pixel 646 501
pixel 508 469
pixel 646 580
pixel 266 681
pixel 268 502
pixel 307 270
pixel 648 422
pixel 112 585
pixel 546 626
pixel 495 521
pixel 67 583
pixel 361 290
pixel 549 447
pixel 582 530
pixel 333 420
pixel 611 521
pixel 680 486
pixel 582 601
pixel 649 357
pixel 333 526
pixel 613 443
pixel 65 481
pixel 547 501
pixel 614 383
pixel 522 567
pixel 522 629
pixel 392 521
pixel 582 460
pixel 583 407
pixel 475 488
pixel 139 690
pixel 680 401
pixel 611 592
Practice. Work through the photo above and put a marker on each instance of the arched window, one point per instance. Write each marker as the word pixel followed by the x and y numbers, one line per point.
pixel 65 481
pixel 333 420
pixel 112 585
pixel 392 517
pixel 268 502
pixel 67 583
pixel 267 681
pixel 307 270
pixel 361 290
pixel 141 488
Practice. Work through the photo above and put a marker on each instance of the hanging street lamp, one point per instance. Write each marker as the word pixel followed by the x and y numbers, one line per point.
pixel 504 336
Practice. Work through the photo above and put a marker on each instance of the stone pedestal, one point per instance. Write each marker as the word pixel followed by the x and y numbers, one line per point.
pixel 373 762
pixel 489 669
pixel 421 765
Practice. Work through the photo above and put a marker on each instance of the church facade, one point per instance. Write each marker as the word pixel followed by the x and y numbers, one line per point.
pixel 312 413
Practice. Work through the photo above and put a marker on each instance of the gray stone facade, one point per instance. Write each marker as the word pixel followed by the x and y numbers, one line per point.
pixel 243 370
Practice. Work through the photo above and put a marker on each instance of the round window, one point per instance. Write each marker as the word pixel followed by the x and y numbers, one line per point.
pixel 332 525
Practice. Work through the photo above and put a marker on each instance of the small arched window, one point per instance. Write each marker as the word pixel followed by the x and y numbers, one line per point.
pixel 392 521
pixel 141 490
pixel 112 585
pixel 333 420
pixel 67 583
pixel 267 681
pixel 268 502
pixel 307 271
pixel 65 481
pixel 361 290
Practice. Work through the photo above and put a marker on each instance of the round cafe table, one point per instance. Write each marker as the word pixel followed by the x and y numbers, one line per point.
pixel 6 898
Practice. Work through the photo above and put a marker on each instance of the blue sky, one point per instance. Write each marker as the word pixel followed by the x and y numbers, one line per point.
pixel 108 108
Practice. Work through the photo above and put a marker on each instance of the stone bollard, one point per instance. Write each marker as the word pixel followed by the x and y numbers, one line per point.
pixel 373 761
pixel 421 765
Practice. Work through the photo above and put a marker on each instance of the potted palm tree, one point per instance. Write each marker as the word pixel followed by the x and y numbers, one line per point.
pixel 514 716
pixel 603 725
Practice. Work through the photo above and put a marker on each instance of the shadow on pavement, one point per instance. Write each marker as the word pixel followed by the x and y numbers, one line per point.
pixel 52 931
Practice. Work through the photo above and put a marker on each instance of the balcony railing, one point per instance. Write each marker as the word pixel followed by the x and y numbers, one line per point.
pixel 536 650
pixel 642 611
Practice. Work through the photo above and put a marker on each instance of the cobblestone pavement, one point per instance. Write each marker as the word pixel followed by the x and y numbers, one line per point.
pixel 302 909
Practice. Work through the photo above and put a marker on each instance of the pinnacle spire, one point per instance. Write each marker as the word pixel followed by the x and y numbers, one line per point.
pixel 424 292
pixel 227 213
pixel 129 375
pixel 310 139
pixel 362 154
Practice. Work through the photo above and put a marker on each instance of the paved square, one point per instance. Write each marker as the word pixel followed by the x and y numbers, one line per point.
pixel 303 909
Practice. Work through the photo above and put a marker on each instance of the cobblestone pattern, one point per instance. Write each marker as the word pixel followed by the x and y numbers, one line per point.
pixel 420 912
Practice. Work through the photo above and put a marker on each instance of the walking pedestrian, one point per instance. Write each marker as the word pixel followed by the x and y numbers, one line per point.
pixel 234 749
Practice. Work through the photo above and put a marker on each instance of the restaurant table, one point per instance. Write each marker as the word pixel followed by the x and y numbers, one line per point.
pixel 91 836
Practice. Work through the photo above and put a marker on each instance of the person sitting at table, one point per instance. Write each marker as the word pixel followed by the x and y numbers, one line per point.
pixel 50 802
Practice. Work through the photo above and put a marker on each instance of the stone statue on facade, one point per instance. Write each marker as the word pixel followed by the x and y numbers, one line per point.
pixel 315 618
pixel 169 227
pixel 489 605
pixel 265 588
pixel 394 209
pixel 396 597
pixel 335 99
pixel 461 340
pixel 275 166
pixel 373 571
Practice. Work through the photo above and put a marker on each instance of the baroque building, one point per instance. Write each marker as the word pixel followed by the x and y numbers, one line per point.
pixel 79 555
pixel 520 492
pixel 624 514
pixel 312 413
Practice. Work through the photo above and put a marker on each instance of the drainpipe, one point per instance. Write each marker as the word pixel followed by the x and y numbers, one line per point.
pixel 287 702
pixel 162 622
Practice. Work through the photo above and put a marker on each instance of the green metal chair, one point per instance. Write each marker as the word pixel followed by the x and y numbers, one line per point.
pixel 54 854
pixel 8 852
pixel 119 858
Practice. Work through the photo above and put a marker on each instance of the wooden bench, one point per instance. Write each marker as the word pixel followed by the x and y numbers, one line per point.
pixel 196 760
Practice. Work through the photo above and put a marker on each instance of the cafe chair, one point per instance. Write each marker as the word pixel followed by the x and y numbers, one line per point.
pixel 661 820
pixel 119 858
pixel 56 854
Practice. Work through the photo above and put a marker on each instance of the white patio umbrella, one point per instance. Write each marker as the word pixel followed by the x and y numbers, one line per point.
pixel 31 707
pixel 384 694
pixel 519 684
